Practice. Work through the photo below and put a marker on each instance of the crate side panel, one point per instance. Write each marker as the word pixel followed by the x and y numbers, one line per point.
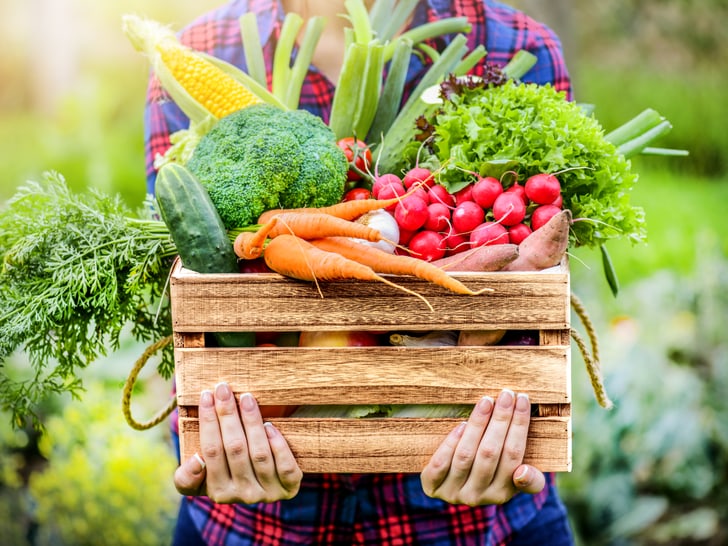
pixel 376 375
pixel 270 303
pixel 392 445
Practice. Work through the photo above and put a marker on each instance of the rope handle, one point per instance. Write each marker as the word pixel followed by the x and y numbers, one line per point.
pixel 591 359
pixel 129 387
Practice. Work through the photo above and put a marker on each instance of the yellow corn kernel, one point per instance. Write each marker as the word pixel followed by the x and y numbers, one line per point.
pixel 218 92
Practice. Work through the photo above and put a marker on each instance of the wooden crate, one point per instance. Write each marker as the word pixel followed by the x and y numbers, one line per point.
pixel 376 375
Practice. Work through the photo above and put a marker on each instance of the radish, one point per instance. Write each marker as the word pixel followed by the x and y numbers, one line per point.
pixel 464 195
pixel 427 245
pixel 420 176
pixel 390 191
pixel 439 194
pixel 543 214
pixel 411 213
pixel 486 190
pixel 489 233
pixel 543 188
pixel 386 180
pixel 467 216
pixel 455 242
pixel 405 235
pixel 518 233
pixel 509 209
pixel 520 191
pixel 438 217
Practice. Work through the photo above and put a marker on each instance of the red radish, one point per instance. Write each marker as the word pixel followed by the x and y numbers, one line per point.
pixel 543 214
pixel 405 235
pixel 357 193
pixel 518 233
pixel 390 191
pixel 543 188
pixel 411 213
pixel 486 190
pixel 455 242
pixel 463 195
pixel 489 233
pixel 509 209
pixel 439 194
pixel 427 245
pixel 518 190
pixel 559 202
pixel 420 176
pixel 384 181
pixel 467 216
pixel 418 192
pixel 438 217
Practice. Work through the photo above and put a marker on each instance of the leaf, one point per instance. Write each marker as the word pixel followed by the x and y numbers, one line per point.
pixel 609 272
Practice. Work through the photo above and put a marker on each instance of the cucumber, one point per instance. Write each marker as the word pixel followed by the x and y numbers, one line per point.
pixel 198 232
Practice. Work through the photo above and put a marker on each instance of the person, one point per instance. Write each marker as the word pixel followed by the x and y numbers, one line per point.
pixel 245 486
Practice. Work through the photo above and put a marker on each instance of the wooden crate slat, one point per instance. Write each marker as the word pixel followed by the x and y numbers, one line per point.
pixel 204 303
pixel 376 375
pixel 392 445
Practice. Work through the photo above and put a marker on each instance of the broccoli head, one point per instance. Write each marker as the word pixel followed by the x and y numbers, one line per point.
pixel 262 157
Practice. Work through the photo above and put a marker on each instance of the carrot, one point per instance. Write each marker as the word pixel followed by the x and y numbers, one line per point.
pixel 481 258
pixel 249 245
pixel 346 210
pixel 384 262
pixel 299 259
pixel 545 247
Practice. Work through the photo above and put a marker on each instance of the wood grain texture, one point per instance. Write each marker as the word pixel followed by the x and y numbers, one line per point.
pixel 392 445
pixel 270 302
pixel 376 375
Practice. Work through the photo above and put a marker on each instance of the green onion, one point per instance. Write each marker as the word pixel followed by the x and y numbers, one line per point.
pixel 253 48
pixel 282 57
pixel 392 92
pixel 314 28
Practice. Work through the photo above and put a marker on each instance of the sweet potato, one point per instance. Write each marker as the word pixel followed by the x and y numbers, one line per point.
pixel 545 247
pixel 482 258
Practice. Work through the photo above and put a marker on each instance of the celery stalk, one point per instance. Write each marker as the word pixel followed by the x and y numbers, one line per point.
pixel 314 28
pixel 470 60
pixel 451 25
pixel 343 107
pixel 392 92
pixel 636 145
pixel 369 92
pixel 642 122
pixel 282 57
pixel 394 19
pixel 519 64
pixel 253 48
pixel 389 151
pixel 359 17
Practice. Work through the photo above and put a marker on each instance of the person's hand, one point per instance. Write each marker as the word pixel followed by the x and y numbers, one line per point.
pixel 241 459
pixel 480 462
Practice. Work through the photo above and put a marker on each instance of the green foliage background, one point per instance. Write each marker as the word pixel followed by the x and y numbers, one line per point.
pixel 652 471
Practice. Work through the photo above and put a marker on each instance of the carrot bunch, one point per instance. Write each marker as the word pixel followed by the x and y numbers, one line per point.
pixel 318 245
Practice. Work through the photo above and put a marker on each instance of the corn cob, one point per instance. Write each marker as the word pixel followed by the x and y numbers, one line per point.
pixel 212 88
pixel 199 87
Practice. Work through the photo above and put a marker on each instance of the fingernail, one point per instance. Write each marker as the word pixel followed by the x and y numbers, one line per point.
pixel 505 400
pixel 206 399
pixel 197 465
pixel 460 429
pixel 222 391
pixel 270 430
pixel 522 403
pixel 247 401
pixel 520 476
pixel 485 404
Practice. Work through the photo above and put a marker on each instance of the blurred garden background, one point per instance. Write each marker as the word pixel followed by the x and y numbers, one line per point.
pixel 652 471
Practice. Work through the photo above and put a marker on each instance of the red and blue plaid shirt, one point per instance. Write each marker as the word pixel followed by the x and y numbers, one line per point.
pixel 389 509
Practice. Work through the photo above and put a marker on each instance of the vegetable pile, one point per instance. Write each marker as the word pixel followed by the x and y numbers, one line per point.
pixel 492 175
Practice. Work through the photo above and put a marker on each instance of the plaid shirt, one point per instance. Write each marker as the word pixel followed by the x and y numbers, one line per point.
pixel 389 509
